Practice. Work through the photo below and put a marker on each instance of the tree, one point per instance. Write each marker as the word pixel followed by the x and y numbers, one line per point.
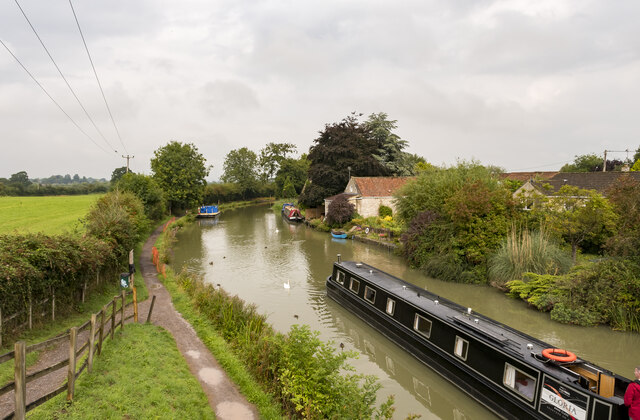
pixel 117 174
pixel 578 215
pixel 180 170
pixel 636 156
pixel 624 195
pixel 584 163
pixel 20 181
pixel 271 157
pixel 296 171
pixel 390 145
pixel 147 190
pixel 288 190
pixel 342 145
pixel 240 167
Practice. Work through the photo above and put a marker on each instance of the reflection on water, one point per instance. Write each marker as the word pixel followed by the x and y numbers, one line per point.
pixel 253 252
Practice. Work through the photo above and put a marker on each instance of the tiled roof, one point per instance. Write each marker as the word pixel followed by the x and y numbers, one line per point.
pixel 526 176
pixel 598 181
pixel 333 197
pixel 379 186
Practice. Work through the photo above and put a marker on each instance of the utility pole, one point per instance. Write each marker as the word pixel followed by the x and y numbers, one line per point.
pixel 131 157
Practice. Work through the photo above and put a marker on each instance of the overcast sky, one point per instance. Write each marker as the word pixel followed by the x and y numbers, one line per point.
pixel 524 85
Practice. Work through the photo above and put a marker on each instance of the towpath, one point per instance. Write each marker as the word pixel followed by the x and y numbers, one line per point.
pixel 223 395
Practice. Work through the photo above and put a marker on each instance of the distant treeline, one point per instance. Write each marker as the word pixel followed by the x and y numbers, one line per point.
pixel 41 190
pixel 19 184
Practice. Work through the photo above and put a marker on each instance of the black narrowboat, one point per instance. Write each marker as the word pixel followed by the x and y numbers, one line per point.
pixel 511 373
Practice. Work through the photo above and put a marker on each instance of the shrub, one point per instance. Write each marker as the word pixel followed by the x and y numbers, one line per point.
pixel 311 380
pixel 526 251
pixel 340 211
pixel 602 292
pixel 118 218
pixel 384 211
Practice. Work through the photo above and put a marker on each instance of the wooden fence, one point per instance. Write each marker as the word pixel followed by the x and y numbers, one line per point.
pixel 100 325
pixel 35 310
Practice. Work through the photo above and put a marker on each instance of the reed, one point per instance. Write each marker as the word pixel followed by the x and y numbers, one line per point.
pixel 527 251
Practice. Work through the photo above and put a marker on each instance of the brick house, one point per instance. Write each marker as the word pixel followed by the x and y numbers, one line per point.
pixel 369 193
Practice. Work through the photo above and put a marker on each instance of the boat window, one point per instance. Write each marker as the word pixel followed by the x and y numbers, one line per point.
pixel 354 286
pixel 340 277
pixel 519 381
pixel 391 306
pixel 369 294
pixel 422 325
pixel 461 348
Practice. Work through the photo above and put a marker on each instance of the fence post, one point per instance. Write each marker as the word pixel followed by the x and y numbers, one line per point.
pixel 0 327
pixel 71 373
pixel 135 305
pixel 101 331
pixel 20 380
pixel 30 312
pixel 84 290
pixel 123 295
pixel 92 341
pixel 153 302
pixel 113 315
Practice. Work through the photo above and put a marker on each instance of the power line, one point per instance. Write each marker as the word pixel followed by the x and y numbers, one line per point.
pixel 97 78
pixel 63 77
pixel 50 97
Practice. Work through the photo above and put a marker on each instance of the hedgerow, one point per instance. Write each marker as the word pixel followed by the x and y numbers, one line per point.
pixel 35 266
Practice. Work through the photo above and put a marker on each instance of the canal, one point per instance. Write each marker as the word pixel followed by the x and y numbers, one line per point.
pixel 282 268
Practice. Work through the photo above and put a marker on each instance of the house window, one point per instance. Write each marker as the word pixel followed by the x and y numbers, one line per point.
pixel 391 306
pixel 354 286
pixel 422 325
pixel 369 294
pixel 461 348
pixel 520 382
pixel 340 277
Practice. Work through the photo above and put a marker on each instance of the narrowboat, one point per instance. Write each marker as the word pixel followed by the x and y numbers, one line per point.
pixel 511 373
pixel 208 211
pixel 291 213
pixel 338 234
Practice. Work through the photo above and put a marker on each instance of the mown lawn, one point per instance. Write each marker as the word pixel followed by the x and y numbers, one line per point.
pixel 50 215
pixel 140 375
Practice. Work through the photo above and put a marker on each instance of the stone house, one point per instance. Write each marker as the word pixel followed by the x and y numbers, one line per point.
pixel 597 181
pixel 368 193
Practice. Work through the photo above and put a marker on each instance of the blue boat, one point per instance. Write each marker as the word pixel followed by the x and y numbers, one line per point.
pixel 338 234
pixel 208 211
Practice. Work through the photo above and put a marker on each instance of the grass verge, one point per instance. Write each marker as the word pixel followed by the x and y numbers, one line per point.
pixel 140 374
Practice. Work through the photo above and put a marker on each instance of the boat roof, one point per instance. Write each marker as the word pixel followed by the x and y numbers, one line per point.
pixel 501 336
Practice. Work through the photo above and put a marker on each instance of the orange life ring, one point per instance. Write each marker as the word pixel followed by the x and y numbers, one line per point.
pixel 559 355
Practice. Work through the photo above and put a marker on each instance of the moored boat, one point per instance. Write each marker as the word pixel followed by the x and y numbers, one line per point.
pixel 208 211
pixel 511 373
pixel 291 213
pixel 339 234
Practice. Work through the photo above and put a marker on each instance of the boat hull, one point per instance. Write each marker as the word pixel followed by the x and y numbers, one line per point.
pixel 491 350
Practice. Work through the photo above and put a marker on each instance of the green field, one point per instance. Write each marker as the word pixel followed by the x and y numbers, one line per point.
pixel 50 215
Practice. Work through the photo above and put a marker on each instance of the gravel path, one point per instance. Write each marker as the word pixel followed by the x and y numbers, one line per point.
pixel 223 395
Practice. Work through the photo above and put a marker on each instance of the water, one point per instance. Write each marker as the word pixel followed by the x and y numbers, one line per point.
pixel 253 252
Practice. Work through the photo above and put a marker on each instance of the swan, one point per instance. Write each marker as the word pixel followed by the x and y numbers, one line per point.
pixel 287 285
